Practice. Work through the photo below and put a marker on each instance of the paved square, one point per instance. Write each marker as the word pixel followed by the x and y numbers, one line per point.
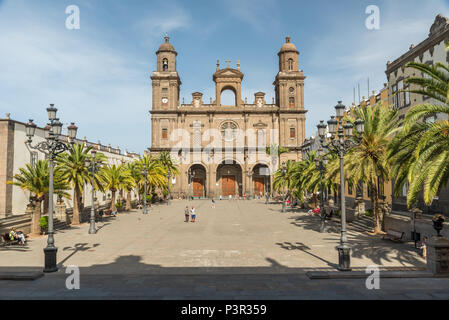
pixel 235 234
pixel 240 249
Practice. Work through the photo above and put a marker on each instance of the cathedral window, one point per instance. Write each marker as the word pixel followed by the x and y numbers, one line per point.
pixel 228 130
pixel 164 133
pixel 197 134
pixel 165 64
pixel 291 102
pixel 290 64
pixel 292 133
pixel 261 143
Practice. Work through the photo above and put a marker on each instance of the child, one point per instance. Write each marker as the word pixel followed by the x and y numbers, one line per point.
pixel 423 247
pixel 213 203
pixel 192 213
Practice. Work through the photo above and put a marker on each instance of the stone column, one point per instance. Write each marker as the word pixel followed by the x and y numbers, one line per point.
pixel 438 256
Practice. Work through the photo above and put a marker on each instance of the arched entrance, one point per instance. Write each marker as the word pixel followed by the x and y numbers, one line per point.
pixel 260 180
pixel 229 179
pixel 197 183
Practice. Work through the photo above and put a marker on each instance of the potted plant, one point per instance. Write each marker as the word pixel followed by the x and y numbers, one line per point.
pixel 438 220
pixel 44 224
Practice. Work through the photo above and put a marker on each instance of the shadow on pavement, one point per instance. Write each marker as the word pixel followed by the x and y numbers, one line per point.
pixel 364 245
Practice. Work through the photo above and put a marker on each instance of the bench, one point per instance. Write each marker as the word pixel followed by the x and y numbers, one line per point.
pixel 7 241
pixel 393 235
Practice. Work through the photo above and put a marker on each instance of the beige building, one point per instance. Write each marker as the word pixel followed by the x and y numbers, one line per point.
pixel 15 154
pixel 221 148
pixel 429 51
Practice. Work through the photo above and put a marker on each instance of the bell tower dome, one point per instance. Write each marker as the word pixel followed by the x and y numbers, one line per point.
pixel 166 57
pixel 288 57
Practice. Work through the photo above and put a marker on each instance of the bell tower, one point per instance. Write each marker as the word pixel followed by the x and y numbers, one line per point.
pixel 289 82
pixel 166 81
pixel 289 92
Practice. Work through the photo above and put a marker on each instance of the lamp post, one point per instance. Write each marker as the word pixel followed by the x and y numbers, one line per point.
pixel 168 186
pixel 51 147
pixel 94 166
pixel 191 174
pixel 249 174
pixel 320 164
pixel 267 191
pixel 283 171
pixel 341 141
pixel 145 174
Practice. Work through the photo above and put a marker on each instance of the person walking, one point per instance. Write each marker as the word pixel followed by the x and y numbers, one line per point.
pixel 193 214
pixel 213 203
pixel 187 213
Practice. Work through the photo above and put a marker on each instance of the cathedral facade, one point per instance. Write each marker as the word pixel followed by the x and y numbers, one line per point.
pixel 222 149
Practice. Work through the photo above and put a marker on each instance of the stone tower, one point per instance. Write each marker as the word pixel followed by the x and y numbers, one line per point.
pixel 166 81
pixel 289 92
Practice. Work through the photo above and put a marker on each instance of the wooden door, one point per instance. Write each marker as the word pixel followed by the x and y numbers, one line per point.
pixel 258 186
pixel 228 185
pixel 198 187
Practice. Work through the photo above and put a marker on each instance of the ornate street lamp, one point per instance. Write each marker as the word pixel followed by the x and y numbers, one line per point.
pixel 267 190
pixel 191 174
pixel 249 174
pixel 283 171
pixel 51 147
pixel 320 164
pixel 168 186
pixel 94 167
pixel 341 140
pixel 145 175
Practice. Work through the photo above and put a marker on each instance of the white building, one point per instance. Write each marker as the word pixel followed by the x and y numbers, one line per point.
pixel 15 154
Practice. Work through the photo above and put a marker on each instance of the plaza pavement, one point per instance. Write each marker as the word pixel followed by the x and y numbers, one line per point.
pixel 238 250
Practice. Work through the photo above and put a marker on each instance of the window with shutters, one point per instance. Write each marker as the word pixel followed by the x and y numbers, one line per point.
pixel 164 133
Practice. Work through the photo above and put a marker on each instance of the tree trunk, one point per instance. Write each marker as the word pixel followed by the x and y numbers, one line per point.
pixel 35 220
pixel 113 207
pixel 76 207
pixel 46 203
pixel 128 201
pixel 375 207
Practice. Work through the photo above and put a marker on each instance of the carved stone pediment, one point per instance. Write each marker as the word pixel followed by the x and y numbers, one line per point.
pixel 228 73
pixel 260 125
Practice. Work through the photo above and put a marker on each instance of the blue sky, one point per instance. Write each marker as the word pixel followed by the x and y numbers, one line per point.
pixel 99 76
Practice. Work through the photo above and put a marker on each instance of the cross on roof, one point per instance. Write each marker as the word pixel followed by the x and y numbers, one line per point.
pixel 227 63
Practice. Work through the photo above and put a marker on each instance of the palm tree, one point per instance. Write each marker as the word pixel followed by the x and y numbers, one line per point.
pixel 169 165
pixel 278 181
pixel 115 178
pixel 156 177
pixel 134 172
pixel 35 179
pixel 421 151
pixel 368 162
pixel 304 177
pixel 72 167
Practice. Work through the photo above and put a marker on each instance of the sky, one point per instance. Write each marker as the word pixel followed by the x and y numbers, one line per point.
pixel 98 76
